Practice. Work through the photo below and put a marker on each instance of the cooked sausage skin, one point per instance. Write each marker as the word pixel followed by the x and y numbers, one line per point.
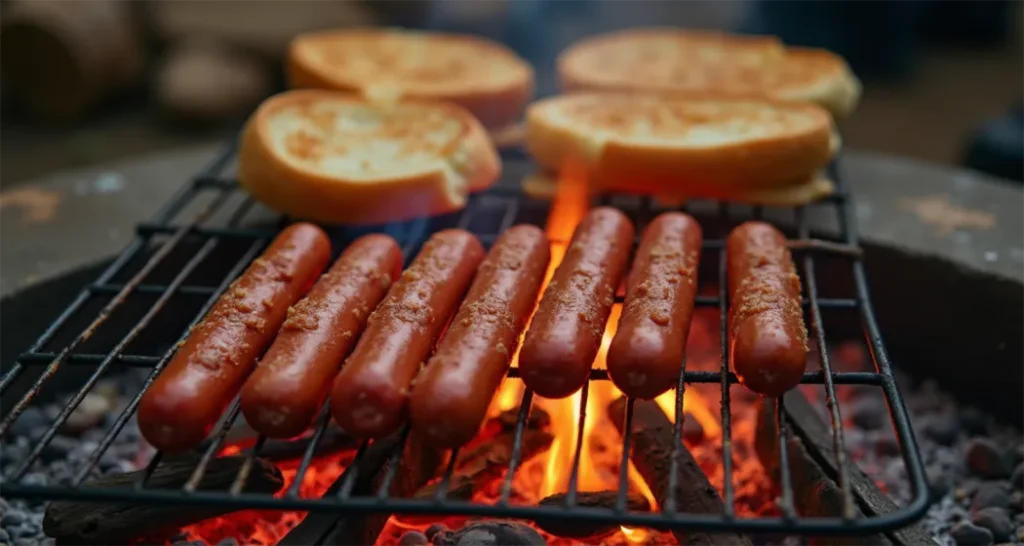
pixel 282 397
pixel 767 335
pixel 370 394
pixel 451 396
pixel 184 402
pixel 566 331
pixel 646 354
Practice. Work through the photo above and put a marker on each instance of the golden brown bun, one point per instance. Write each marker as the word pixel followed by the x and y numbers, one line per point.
pixel 676 61
pixel 336 158
pixel 479 75
pixel 663 145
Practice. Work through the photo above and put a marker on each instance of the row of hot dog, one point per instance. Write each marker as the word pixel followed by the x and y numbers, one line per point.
pixel 432 344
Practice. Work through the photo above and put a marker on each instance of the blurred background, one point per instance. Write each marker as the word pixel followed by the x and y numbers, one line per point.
pixel 91 81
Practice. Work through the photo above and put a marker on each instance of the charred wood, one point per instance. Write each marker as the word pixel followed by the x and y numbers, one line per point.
pixel 79 522
pixel 588 530
pixel 417 465
pixel 652 443
pixel 813 467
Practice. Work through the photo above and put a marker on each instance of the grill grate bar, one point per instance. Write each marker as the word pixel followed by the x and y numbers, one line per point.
pixel 786 504
pixel 517 446
pixel 839 445
pixel 677 445
pixel 488 216
pixel 728 498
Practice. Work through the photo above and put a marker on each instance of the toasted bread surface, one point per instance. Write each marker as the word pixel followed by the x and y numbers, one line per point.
pixel 676 61
pixel 658 144
pixel 482 76
pixel 337 158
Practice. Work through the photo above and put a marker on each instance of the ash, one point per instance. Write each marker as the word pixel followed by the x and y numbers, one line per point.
pixel 65 455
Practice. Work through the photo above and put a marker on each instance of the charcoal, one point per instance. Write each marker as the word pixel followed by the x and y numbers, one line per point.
pixel 996 520
pixel 413 538
pixel 885 444
pixel 1017 501
pixel 942 428
pixel 30 421
pixel 25 530
pixel 434 529
pixel 1017 479
pixel 968 534
pixel 89 413
pixel 973 421
pixel 939 481
pixel 990 495
pixel 984 459
pixel 25 542
pixel 868 413
pixel 58 448
pixel 13 518
pixel 491 533
pixel 5 537
pixel 228 542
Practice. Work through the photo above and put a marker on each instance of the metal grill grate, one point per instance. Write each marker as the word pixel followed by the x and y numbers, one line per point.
pixel 143 270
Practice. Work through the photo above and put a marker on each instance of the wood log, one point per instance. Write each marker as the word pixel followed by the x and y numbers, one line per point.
pixel 80 522
pixel 813 467
pixel 591 499
pixel 651 444
pixel 485 463
pixel 417 465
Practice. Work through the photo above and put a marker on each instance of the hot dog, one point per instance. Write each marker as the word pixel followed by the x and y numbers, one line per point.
pixel 646 354
pixel 283 395
pixel 189 395
pixel 566 331
pixel 370 393
pixel 767 336
pixel 450 398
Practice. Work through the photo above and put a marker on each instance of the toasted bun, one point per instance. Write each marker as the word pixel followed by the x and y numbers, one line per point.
pixel 676 61
pixel 483 77
pixel 336 158
pixel 671 145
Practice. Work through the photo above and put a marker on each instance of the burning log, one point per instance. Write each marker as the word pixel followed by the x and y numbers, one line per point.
pixel 588 531
pixel 80 522
pixel 417 465
pixel 484 463
pixel 652 447
pixel 491 533
pixel 815 493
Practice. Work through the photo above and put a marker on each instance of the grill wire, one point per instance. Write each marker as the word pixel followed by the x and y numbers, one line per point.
pixel 216 179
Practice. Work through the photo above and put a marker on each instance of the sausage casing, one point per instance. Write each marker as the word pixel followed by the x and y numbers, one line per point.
pixel 370 394
pixel 452 394
pixel 646 354
pixel 282 397
pixel 767 335
pixel 203 376
pixel 566 331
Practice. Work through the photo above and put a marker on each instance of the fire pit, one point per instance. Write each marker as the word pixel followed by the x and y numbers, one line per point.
pixel 697 465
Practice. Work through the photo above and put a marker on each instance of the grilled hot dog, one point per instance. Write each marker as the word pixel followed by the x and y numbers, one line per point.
pixel 451 396
pixel 283 395
pixel 646 354
pixel 370 393
pixel 189 395
pixel 767 336
pixel 566 331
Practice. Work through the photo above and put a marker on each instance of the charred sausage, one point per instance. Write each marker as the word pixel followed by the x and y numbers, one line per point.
pixel 767 336
pixel 646 354
pixel 451 396
pixel 566 331
pixel 205 374
pixel 282 397
pixel 370 393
